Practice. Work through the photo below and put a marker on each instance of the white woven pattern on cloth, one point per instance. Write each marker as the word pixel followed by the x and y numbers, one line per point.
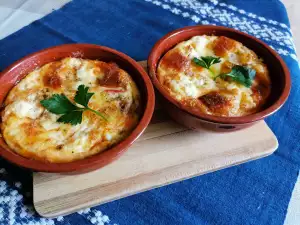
pixel 249 14
pixel 16 208
pixel 214 13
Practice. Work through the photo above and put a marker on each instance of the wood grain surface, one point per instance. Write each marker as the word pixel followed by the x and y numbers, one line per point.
pixel 164 154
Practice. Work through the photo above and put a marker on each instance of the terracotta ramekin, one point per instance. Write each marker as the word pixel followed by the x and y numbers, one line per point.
pixel 21 68
pixel 280 77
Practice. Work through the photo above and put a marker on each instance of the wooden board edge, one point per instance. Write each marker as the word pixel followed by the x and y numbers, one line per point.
pixel 52 214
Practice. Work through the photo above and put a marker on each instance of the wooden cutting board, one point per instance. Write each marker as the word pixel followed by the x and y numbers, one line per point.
pixel 164 154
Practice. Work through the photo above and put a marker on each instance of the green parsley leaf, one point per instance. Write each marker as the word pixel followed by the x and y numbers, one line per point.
pixel 82 96
pixel 71 113
pixel 73 117
pixel 241 74
pixel 58 104
pixel 206 61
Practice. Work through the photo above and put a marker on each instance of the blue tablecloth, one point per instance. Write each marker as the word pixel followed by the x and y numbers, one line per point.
pixel 254 193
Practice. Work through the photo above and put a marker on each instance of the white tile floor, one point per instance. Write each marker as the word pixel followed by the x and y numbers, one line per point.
pixel 29 10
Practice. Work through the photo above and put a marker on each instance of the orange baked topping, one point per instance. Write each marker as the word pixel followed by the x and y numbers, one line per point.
pixel 216 76
pixel 33 131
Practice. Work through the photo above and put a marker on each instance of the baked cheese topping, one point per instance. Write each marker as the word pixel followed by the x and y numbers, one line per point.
pixel 32 131
pixel 198 88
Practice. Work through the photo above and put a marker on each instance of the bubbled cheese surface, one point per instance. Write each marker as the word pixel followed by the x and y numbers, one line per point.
pixel 195 86
pixel 32 131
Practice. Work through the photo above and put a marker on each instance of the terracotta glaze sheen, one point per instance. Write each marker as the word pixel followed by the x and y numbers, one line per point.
pixel 279 74
pixel 12 75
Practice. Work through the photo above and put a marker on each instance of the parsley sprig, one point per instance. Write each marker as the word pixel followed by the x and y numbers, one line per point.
pixel 206 62
pixel 71 113
pixel 241 74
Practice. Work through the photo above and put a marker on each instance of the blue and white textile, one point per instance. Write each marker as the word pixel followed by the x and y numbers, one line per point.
pixel 253 193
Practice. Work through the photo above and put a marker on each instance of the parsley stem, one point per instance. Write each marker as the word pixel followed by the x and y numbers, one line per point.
pixel 98 113
pixel 211 72
pixel 217 76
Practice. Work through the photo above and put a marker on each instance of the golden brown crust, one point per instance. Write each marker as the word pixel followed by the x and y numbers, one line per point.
pixel 50 75
pixel 223 45
pixel 216 102
pixel 111 76
pixel 175 60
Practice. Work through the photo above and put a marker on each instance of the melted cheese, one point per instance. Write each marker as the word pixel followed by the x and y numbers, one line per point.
pixel 24 109
pixel 32 131
pixel 32 81
pixel 196 87
pixel 86 75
